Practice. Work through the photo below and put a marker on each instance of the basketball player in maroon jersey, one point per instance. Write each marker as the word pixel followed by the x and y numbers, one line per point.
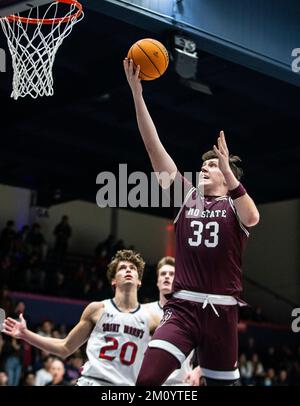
pixel 203 310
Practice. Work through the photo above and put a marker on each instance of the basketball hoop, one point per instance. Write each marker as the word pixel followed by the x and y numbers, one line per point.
pixel 33 41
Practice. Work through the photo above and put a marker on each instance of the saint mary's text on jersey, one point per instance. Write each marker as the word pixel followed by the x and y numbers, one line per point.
pixel 114 327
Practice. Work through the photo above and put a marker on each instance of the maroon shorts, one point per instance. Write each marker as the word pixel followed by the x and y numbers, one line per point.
pixel 186 326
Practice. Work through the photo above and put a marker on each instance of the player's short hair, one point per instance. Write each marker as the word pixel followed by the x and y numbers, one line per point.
pixel 233 159
pixel 125 255
pixel 165 261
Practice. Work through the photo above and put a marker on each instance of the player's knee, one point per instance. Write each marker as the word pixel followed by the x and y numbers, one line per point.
pixel 147 379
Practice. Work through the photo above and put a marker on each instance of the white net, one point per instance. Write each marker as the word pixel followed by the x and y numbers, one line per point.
pixel 33 46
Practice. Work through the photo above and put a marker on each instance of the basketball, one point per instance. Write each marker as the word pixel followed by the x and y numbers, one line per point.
pixel 152 57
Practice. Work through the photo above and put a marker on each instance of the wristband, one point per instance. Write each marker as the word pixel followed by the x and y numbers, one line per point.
pixel 237 192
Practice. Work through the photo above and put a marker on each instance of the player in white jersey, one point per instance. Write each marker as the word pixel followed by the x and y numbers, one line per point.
pixel 186 375
pixel 117 330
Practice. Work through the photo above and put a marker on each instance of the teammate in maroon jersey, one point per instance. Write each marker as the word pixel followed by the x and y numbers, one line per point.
pixel 203 310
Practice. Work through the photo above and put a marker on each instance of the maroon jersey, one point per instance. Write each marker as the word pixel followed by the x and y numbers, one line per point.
pixel 209 244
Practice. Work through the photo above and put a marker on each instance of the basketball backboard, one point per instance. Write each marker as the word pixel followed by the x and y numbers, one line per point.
pixel 8 7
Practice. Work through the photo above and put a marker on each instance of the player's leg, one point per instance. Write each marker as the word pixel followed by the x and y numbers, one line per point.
pixel 218 354
pixel 157 366
pixel 170 345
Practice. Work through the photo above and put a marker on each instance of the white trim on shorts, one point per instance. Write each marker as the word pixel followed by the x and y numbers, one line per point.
pixel 202 297
pixel 171 348
pixel 206 299
pixel 226 375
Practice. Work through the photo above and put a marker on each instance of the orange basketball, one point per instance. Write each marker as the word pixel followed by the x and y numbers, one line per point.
pixel 152 57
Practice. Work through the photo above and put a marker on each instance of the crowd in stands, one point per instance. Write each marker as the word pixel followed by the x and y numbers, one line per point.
pixel 23 365
pixel 269 366
pixel 27 264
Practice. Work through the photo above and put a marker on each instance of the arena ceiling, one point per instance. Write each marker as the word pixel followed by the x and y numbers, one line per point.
pixel 88 126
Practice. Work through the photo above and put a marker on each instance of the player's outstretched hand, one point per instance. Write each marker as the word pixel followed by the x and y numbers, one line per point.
pixel 132 76
pixel 14 328
pixel 222 153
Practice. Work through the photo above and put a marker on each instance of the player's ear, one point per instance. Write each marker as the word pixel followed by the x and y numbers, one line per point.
pixel 113 282
pixel 139 284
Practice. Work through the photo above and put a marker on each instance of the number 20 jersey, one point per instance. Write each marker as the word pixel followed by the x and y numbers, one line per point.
pixel 117 345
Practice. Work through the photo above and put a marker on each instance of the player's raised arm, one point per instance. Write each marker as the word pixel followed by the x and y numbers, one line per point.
pixel 160 159
pixel 243 203
pixel 61 347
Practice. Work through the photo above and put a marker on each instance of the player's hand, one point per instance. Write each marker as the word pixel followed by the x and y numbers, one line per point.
pixel 193 377
pixel 14 328
pixel 222 154
pixel 133 76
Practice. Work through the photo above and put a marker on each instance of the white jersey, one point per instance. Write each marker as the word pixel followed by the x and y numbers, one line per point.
pixel 178 376
pixel 117 345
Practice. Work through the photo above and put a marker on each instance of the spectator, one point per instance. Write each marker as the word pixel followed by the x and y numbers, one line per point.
pixel 62 330
pixel 283 378
pixel 258 369
pixel 46 328
pixel 269 379
pixel 73 368
pixel 7 238
pixel 6 302
pixel 56 334
pixel 19 308
pixel 43 375
pixel 13 360
pixel 57 371
pixel 21 242
pixel 246 370
pixel 29 379
pixel 3 378
pixel 62 232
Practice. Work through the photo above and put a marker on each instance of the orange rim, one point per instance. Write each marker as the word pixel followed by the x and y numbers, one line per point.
pixel 66 19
